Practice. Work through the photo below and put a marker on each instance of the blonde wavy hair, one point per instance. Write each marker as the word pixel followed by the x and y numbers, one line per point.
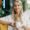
pixel 21 12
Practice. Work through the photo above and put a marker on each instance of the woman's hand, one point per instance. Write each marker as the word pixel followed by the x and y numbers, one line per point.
pixel 12 23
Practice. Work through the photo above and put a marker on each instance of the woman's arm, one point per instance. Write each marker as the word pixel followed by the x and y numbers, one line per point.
pixel 8 21
pixel 4 22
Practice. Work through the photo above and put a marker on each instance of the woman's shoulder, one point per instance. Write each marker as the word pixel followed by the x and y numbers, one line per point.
pixel 26 15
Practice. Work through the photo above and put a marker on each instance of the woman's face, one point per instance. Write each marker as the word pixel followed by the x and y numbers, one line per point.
pixel 17 7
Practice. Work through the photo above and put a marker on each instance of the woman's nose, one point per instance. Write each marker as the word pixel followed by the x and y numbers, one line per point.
pixel 16 7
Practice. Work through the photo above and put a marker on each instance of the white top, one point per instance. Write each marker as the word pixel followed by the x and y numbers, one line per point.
pixel 26 18
pixel 18 24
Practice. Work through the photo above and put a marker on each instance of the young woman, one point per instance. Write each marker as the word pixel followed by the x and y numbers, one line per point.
pixel 18 11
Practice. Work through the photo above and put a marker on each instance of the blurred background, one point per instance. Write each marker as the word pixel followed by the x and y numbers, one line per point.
pixel 6 6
